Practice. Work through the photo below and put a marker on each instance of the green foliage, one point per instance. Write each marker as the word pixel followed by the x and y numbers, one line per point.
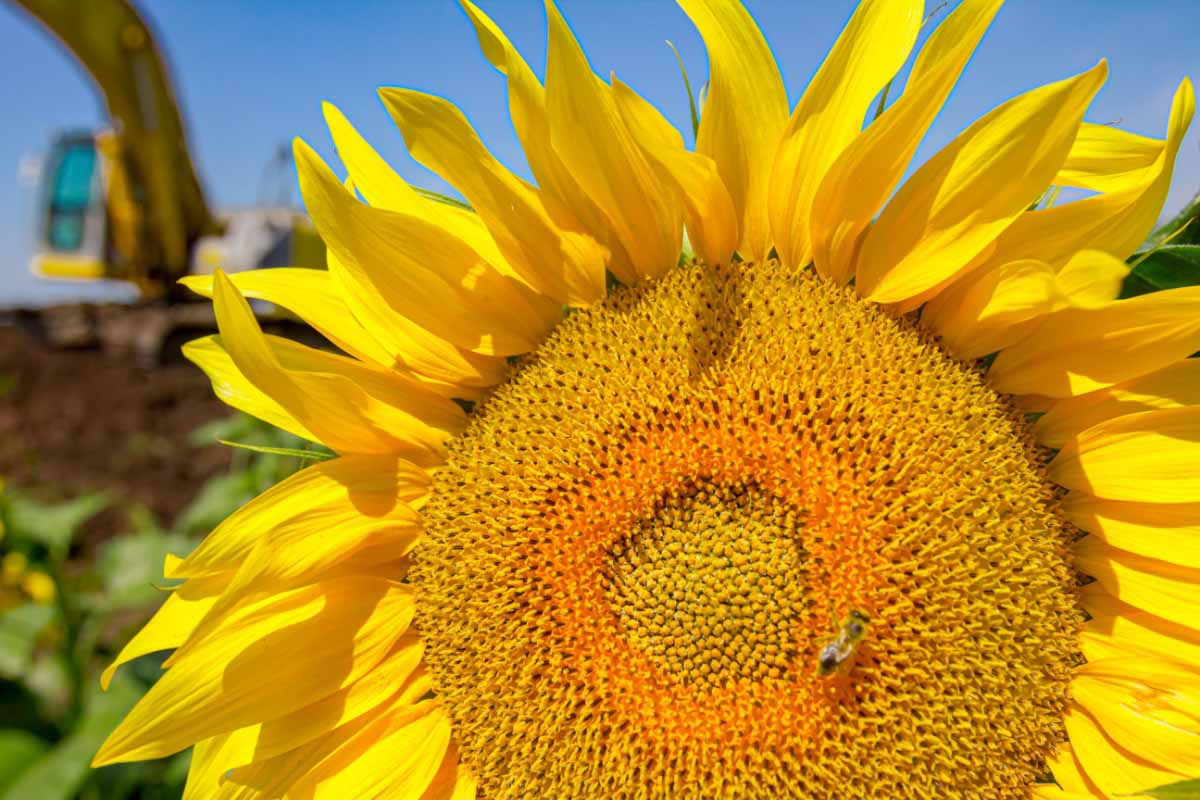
pixel 303 455
pixel 1187 219
pixel 20 628
pixel 53 647
pixel 52 526
pixel 1169 267
pixel 687 85
pixel 129 568
pixel 1170 258
pixel 1183 790
pixel 18 749
pixel 61 770
pixel 262 456
pixel 438 197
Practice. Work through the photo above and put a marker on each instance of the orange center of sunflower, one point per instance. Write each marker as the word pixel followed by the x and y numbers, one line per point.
pixel 637 553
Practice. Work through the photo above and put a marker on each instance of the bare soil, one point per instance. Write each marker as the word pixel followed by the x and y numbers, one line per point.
pixel 78 420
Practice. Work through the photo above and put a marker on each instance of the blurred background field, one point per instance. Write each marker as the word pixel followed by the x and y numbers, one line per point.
pixel 106 466
pixel 88 516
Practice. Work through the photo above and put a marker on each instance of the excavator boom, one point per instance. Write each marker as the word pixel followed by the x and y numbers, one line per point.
pixel 111 41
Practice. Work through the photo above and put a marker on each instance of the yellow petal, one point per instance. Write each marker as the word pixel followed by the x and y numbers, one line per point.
pixel 589 137
pixel 236 390
pixel 981 314
pixel 1153 457
pixel 1173 386
pixel 408 343
pixel 173 623
pixel 1148 707
pixel 744 114
pixel 872 48
pixel 1052 792
pixel 314 296
pixel 422 272
pixel 453 780
pixel 1105 158
pixel 1166 531
pixel 391 754
pixel 1116 222
pixel 1161 588
pixel 466 787
pixel 563 265
pixel 1114 770
pixel 270 658
pixel 1068 774
pixel 349 407
pixel 1119 629
pixel 211 758
pixel 526 97
pixel 1078 350
pixel 306 550
pixel 366 694
pixel 872 164
pixel 383 188
pixel 387 760
pixel 955 206
pixel 400 390
pixel 570 206
pixel 1091 278
pixel 318 544
pixel 327 495
pixel 711 221
pixel 371 175
pixel 1140 527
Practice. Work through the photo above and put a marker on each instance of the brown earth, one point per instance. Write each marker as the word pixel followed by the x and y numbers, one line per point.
pixel 77 420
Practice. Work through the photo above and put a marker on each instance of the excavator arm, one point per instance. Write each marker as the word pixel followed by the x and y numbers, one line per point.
pixel 147 150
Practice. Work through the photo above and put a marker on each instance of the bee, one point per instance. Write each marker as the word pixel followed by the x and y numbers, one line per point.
pixel 841 649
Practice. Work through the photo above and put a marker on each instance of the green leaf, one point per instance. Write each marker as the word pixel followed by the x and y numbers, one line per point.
pixel 1183 790
pixel 20 627
pixel 306 455
pixel 217 499
pixel 232 427
pixel 1169 267
pixel 430 194
pixel 130 568
pixel 49 679
pixel 17 750
pixel 60 772
pixel 52 526
pixel 21 708
pixel 688 86
pixel 177 768
pixel 1189 214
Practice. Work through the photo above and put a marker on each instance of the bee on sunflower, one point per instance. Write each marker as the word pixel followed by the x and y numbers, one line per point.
pixel 610 577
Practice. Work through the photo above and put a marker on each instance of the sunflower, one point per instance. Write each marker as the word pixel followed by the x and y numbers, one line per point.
pixel 876 490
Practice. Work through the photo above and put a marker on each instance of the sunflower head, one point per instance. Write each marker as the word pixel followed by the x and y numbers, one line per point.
pixel 879 490
pixel 647 590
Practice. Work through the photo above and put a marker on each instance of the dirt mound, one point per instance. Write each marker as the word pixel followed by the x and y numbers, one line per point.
pixel 73 421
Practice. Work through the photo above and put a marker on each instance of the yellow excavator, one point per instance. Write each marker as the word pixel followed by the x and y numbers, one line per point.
pixel 125 203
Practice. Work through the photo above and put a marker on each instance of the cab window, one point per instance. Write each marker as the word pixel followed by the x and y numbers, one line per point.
pixel 70 195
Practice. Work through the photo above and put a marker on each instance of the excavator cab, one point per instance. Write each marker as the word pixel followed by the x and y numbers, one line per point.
pixel 91 217
pixel 126 203
pixel 73 225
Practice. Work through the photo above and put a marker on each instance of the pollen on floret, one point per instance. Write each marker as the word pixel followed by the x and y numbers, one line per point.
pixel 638 549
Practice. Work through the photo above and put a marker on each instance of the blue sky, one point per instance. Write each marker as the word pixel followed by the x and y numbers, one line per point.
pixel 252 75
